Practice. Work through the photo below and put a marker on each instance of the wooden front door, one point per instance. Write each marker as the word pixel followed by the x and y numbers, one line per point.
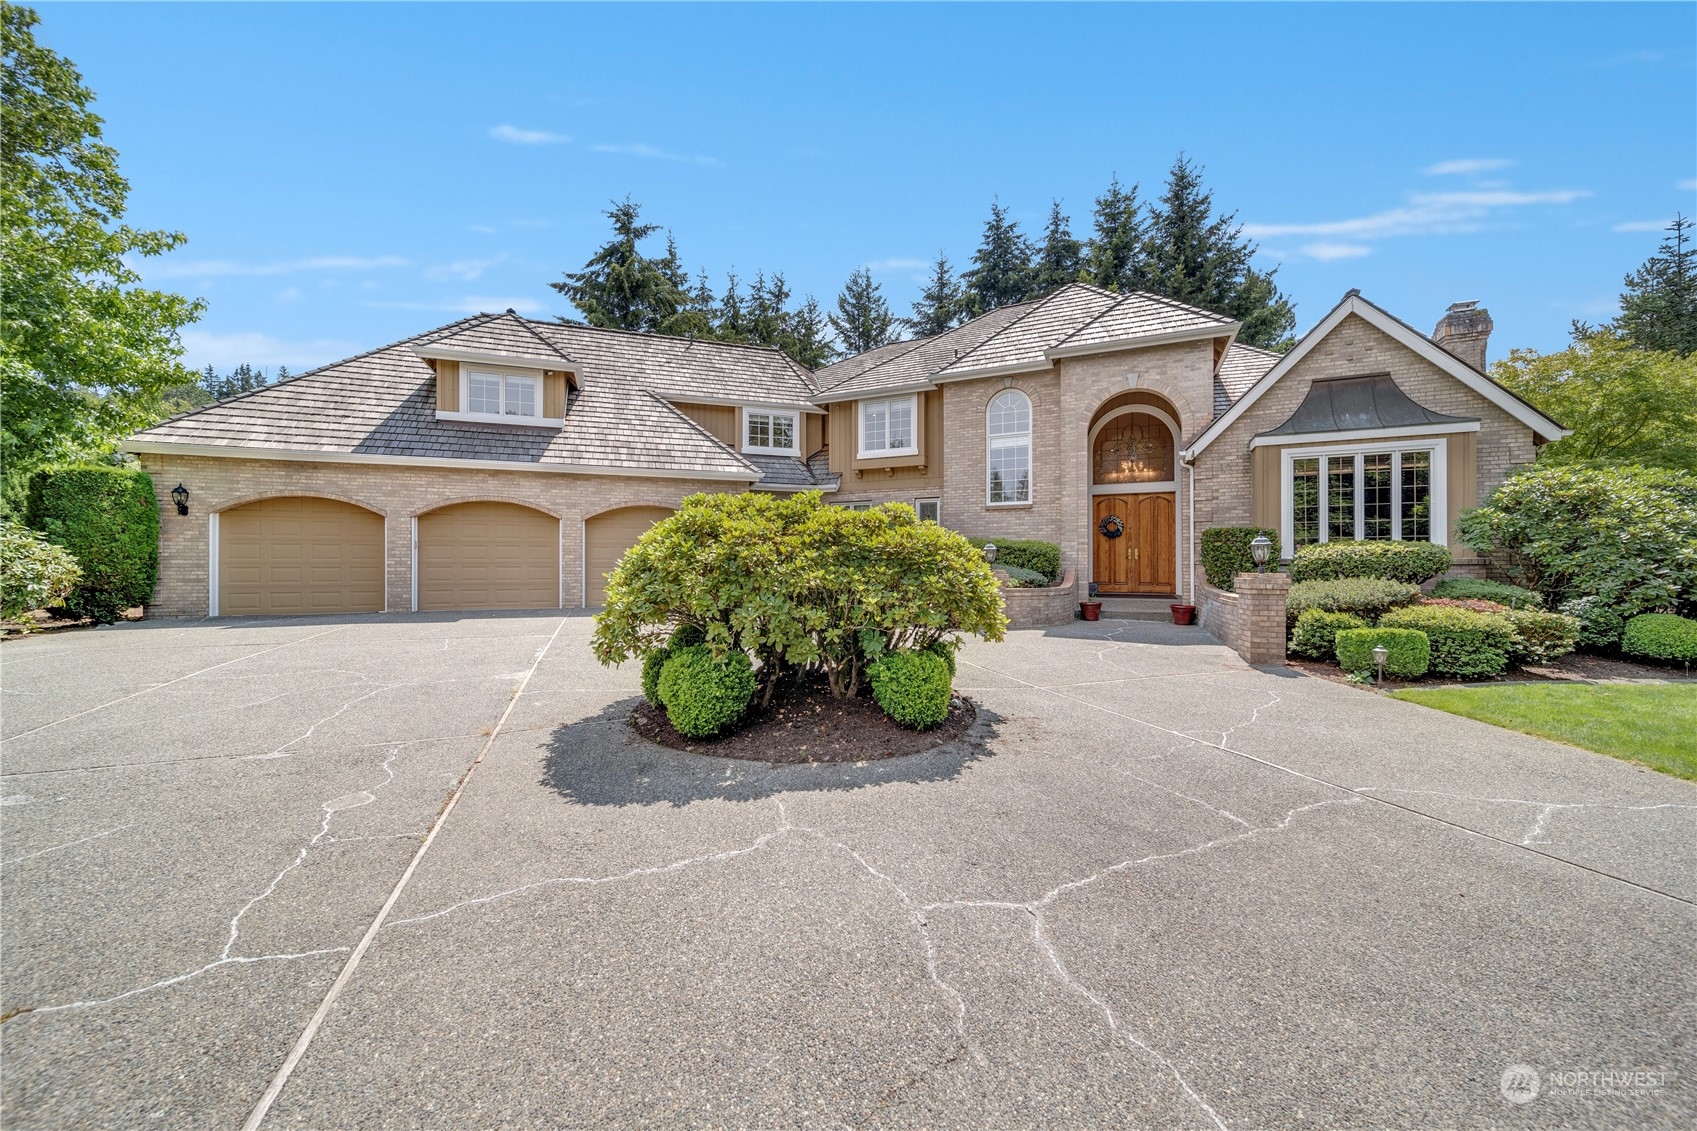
pixel 1144 558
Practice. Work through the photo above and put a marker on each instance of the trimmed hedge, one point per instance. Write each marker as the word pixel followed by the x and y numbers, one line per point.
pixel 34 573
pixel 912 688
pixel 1474 589
pixel 1601 622
pixel 1540 637
pixel 1410 651
pixel 1317 630
pixel 1025 553
pixel 1225 553
pixel 1661 636
pixel 1366 597
pixel 107 517
pixel 1465 644
pixel 1413 562
pixel 683 637
pixel 704 695
pixel 945 650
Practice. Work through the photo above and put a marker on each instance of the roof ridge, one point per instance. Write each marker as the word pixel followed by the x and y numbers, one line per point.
pixel 732 452
pixel 1185 306
pixel 537 334
pixel 651 334
pixel 912 343
pixel 1039 305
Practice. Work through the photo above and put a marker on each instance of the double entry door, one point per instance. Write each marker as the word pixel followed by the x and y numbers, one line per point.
pixel 1142 557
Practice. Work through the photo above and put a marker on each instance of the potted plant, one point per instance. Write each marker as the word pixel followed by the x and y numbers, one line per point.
pixel 1183 614
pixel 1090 610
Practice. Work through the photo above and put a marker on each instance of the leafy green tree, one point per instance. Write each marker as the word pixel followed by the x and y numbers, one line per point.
pixel 1624 405
pixel 1658 309
pixel 1197 257
pixel 1114 256
pixel 622 288
pixel 941 304
pixel 1001 274
pixel 1061 258
pixel 863 320
pixel 86 354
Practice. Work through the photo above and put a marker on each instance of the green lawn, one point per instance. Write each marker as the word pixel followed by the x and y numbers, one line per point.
pixel 1655 724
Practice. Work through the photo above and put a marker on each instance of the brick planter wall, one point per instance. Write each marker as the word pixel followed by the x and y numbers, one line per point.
pixel 1250 621
pixel 1034 608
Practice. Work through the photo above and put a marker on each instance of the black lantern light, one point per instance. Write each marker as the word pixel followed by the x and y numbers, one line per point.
pixel 180 496
pixel 1261 549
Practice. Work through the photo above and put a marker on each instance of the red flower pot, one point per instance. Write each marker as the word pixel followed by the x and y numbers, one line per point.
pixel 1183 614
pixel 1091 610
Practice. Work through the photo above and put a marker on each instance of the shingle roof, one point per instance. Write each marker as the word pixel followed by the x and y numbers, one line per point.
pixel 839 371
pixel 787 473
pixel 1140 314
pixel 505 336
pixel 1037 330
pixel 1239 369
pixel 682 369
pixel 916 366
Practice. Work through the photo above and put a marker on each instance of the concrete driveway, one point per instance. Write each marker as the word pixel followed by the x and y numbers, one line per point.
pixel 1160 890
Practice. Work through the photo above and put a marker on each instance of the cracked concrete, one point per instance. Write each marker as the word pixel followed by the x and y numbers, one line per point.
pixel 1157 889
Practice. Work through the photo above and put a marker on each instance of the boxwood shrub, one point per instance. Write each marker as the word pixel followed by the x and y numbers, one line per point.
pixel 1366 597
pixel 1316 632
pixel 945 650
pixel 1410 652
pixel 683 637
pixel 34 573
pixel 1225 553
pixel 1661 636
pixel 1025 553
pixel 1413 562
pixel 704 695
pixel 1477 589
pixel 1465 644
pixel 911 687
pixel 107 517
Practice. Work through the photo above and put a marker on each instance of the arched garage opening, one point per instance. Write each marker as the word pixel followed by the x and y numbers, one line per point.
pixel 487 555
pixel 606 537
pixel 299 554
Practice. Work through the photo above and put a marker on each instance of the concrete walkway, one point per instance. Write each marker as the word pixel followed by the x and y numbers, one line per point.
pixel 1160 889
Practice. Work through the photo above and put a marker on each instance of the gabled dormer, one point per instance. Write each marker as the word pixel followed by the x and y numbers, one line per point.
pixel 499 371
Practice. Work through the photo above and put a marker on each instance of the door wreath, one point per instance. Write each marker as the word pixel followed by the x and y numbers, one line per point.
pixel 1111 527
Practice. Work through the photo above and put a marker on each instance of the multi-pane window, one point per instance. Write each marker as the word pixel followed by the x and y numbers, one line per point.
pixel 1373 496
pixel 1305 501
pixel 1340 497
pixel 1416 499
pixel 500 394
pixel 1008 423
pixel 1376 496
pixel 773 431
pixel 886 427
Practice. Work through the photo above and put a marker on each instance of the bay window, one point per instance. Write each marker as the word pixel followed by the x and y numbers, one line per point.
pixel 1379 492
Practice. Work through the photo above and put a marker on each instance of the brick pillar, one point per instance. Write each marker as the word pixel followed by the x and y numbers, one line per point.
pixel 1262 597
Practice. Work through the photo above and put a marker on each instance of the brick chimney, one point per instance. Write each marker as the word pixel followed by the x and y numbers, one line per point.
pixel 1463 330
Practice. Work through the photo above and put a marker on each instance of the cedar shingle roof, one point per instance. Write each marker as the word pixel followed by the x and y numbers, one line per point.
pixel 1239 369
pixel 1037 330
pixel 923 359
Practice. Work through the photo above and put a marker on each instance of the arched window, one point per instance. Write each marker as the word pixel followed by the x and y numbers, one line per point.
pixel 1133 447
pixel 1008 422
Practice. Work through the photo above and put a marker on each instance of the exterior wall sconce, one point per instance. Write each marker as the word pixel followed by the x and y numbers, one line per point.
pixel 180 496
pixel 990 552
pixel 1261 549
pixel 1380 655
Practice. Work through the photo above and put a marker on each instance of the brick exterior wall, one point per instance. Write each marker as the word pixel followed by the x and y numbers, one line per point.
pixel 1034 608
pixel 1250 621
pixel 217 483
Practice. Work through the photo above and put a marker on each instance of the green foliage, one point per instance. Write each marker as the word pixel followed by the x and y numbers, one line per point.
pixel 1023 578
pixel 945 650
pixel 1316 632
pixel 1465 644
pixel 1476 589
pixel 1061 257
pixel 34 573
pixel 1600 622
pixel 86 354
pixel 941 305
pixel 1413 562
pixel 1409 651
pixel 1115 253
pixel 1001 273
pixel 1366 597
pixel 704 693
pixel 652 665
pixel 911 687
pixel 1540 637
pixel 1658 309
pixel 1661 636
pixel 863 320
pixel 1624 403
pixel 1025 553
pixel 107 517
pixel 1225 553
pixel 1625 534
pixel 622 288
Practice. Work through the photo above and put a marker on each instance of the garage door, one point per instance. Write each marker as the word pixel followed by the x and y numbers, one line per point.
pixel 488 556
pixel 606 537
pixel 299 555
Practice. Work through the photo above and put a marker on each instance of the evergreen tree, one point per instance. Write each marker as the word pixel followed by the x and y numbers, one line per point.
pixel 1194 256
pixel 768 309
pixel 1062 257
pixel 1001 274
pixel 1114 256
pixel 863 320
pixel 941 304
pixel 699 317
pixel 244 378
pixel 810 337
pixel 622 288
pixel 732 323
pixel 1658 309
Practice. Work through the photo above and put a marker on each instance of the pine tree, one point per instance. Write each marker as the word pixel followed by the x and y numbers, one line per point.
pixel 1114 256
pixel 622 288
pixel 1658 309
pixel 732 323
pixel 809 337
pixel 244 378
pixel 699 317
pixel 1061 258
pixel 1001 273
pixel 768 309
pixel 940 306
pixel 863 320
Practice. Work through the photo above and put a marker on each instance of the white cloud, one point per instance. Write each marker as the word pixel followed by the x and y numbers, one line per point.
pixel 210 268
pixel 1425 214
pixel 289 294
pixel 1326 252
pixel 1467 165
pixel 1688 185
pixel 203 347
pixel 471 304
pixel 466 269
pixel 1640 226
pixel 513 135
pixel 637 149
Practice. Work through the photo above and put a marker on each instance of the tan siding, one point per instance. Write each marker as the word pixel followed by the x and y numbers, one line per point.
pixel 299 555
pixel 718 419
pixel 553 395
pixel 813 433
pixel 488 556
pixel 447 386
pixel 606 537
pixel 1463 484
pixel 1267 490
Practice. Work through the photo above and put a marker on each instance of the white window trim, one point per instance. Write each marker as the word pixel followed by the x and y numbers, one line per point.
pixel 912 400
pixel 795 431
pixel 1438 487
pixel 991 442
pixel 1149 487
pixel 935 500
pixel 538 421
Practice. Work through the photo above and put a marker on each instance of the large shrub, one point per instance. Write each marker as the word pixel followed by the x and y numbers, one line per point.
pixel 1316 632
pixel 1661 636
pixel 911 687
pixel 1409 652
pixel 1540 637
pixel 1477 589
pixel 1625 534
pixel 1465 644
pixel 1366 597
pixel 107 517
pixel 1600 622
pixel 34 573
pixel 1413 562
pixel 1025 553
pixel 705 693
pixel 1225 553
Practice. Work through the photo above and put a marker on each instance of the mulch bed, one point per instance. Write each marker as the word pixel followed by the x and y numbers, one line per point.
pixel 804 724
pixel 1582 667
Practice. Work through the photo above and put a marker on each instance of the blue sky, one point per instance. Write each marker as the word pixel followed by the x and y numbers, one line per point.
pixel 350 175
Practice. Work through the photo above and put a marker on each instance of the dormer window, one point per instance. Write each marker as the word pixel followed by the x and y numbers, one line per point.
pixel 773 432
pixel 501 394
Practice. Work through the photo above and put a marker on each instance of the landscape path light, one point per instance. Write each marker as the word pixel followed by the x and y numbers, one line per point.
pixel 990 552
pixel 1261 549
pixel 1380 655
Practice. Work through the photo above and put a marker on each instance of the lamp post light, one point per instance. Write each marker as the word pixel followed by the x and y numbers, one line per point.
pixel 1261 549
pixel 1380 655
pixel 180 496
pixel 990 552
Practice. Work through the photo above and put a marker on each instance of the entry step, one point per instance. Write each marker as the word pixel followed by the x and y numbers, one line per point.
pixel 1137 608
